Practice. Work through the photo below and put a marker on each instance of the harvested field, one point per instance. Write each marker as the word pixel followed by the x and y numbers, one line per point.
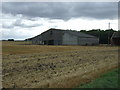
pixel 38 66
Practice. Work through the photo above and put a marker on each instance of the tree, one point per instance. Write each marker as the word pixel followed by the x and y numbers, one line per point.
pixel 103 35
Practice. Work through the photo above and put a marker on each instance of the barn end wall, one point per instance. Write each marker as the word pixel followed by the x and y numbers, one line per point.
pixel 54 35
pixel 69 39
pixel 37 40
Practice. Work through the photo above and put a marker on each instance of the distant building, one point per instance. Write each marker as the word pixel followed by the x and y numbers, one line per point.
pixel 64 37
pixel 115 39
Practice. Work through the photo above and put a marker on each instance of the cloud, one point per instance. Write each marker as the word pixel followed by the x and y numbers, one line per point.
pixel 20 23
pixel 9 22
pixel 7 26
pixel 23 20
pixel 60 10
pixel 16 34
pixel 20 33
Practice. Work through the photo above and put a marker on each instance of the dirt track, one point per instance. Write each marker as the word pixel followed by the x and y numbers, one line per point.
pixel 63 69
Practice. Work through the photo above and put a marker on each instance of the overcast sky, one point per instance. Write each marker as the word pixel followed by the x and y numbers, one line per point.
pixel 21 20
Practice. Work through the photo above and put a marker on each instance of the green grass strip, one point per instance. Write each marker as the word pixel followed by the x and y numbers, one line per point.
pixel 107 80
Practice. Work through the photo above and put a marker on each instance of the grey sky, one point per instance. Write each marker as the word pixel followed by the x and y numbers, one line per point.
pixel 21 20
pixel 62 10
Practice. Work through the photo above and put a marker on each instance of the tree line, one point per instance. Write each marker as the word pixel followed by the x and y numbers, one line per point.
pixel 103 35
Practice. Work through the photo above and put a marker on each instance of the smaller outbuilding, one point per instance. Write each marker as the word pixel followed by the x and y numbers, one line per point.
pixel 115 39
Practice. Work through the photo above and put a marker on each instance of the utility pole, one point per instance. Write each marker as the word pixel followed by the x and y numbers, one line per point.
pixel 108 33
pixel 109 25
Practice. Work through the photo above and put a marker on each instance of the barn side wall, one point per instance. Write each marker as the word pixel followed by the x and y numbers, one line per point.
pixel 69 39
pixel 88 41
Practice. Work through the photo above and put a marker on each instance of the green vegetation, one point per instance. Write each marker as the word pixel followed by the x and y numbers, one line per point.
pixel 107 80
pixel 101 34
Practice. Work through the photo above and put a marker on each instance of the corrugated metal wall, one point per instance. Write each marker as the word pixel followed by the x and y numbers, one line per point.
pixel 87 41
pixel 54 35
pixel 69 39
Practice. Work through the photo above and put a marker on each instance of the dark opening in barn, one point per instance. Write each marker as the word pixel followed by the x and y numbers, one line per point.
pixel 45 42
pixel 50 42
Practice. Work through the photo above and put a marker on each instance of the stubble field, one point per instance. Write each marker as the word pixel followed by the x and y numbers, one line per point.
pixel 41 66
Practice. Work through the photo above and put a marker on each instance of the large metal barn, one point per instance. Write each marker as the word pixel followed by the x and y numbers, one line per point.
pixel 64 37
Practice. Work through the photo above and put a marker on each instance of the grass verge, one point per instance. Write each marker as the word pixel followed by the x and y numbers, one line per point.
pixel 107 80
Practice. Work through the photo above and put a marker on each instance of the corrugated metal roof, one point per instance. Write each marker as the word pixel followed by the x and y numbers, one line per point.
pixel 72 32
pixel 76 33
pixel 79 34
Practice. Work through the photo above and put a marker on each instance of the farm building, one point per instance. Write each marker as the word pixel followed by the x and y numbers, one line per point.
pixel 115 39
pixel 64 37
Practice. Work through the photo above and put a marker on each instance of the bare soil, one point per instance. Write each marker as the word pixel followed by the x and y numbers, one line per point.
pixel 37 66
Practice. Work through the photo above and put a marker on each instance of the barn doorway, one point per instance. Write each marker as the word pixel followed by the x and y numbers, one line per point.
pixel 50 42
pixel 45 42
